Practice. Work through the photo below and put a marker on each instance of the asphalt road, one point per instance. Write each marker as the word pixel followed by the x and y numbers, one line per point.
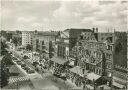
pixel 47 83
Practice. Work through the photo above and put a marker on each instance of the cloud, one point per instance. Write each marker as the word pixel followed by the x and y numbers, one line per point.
pixel 26 19
pixel 60 15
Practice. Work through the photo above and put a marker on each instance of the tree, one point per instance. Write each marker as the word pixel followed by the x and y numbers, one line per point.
pixel 15 41
pixel 5 64
pixel 3 33
pixel 35 63
pixel 18 32
pixel 29 47
pixel 4 76
pixel 9 36
pixel 3 48
pixel 7 60
pixel 51 49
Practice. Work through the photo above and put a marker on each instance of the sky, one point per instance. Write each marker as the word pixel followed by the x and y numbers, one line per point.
pixel 60 15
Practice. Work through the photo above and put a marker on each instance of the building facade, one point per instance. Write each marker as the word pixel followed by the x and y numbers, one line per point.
pixel 41 40
pixel 93 53
pixel 73 35
pixel 62 45
pixel 27 37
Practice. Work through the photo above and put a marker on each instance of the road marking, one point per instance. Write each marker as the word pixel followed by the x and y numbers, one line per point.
pixel 13 80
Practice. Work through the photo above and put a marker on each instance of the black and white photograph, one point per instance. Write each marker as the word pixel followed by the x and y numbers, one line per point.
pixel 63 44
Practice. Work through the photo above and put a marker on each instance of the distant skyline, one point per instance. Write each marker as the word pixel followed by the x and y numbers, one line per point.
pixel 60 15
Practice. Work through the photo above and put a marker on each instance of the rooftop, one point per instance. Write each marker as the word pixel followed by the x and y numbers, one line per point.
pixel 88 30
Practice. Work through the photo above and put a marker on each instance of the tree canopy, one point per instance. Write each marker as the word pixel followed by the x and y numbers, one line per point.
pixel 51 49
pixel 3 48
pixel 29 47
pixel 7 60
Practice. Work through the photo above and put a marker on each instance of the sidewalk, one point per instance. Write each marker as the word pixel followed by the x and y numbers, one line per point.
pixel 67 84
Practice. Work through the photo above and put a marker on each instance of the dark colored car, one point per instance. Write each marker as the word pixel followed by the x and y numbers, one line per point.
pixel 31 71
pixel 25 57
pixel 26 68
pixel 19 62
pixel 23 65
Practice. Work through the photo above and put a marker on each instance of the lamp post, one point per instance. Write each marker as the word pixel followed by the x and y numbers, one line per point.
pixel 94 84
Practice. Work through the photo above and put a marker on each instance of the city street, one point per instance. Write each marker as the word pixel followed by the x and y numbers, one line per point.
pixel 46 82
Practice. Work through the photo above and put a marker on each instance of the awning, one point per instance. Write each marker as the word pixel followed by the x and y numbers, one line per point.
pixel 77 70
pixel 71 63
pixel 58 60
pixel 117 84
pixel 92 76
pixel 106 87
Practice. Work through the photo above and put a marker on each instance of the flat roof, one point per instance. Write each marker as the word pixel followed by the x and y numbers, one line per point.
pixel 78 71
pixel 92 76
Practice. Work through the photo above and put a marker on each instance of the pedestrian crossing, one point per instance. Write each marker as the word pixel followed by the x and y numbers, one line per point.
pixel 19 79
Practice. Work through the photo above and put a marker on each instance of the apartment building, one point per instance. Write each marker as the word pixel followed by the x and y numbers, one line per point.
pixel 27 37
pixel 93 55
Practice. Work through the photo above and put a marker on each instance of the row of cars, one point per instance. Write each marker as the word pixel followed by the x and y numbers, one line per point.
pixel 23 66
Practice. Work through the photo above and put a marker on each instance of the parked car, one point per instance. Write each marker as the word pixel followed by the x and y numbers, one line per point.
pixel 23 65
pixel 25 57
pixel 19 62
pixel 26 68
pixel 31 71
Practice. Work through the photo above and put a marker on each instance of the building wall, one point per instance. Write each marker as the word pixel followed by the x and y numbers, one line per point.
pixel 62 43
pixel 73 36
pixel 103 36
pixel 38 39
pixel 89 53
pixel 63 50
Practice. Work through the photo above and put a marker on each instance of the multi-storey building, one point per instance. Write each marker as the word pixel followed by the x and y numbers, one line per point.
pixel 73 35
pixel 108 40
pixel 27 37
pixel 93 53
pixel 64 43
pixel 120 60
